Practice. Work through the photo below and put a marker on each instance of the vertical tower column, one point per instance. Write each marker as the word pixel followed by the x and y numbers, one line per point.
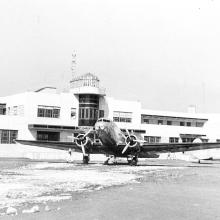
pixel 86 87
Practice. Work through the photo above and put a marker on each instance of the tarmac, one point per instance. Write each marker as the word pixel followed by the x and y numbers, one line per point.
pixel 156 189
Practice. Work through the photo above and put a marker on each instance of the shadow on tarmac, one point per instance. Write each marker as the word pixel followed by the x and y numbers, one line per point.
pixel 150 163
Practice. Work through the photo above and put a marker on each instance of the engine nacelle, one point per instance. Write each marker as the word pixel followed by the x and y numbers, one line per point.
pixel 131 140
pixel 81 140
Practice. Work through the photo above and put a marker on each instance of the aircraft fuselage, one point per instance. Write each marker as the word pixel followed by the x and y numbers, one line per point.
pixel 109 133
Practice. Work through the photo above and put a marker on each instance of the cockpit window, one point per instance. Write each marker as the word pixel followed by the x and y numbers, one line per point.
pixel 104 120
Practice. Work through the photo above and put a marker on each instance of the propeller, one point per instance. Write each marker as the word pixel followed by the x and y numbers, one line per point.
pixel 131 141
pixel 81 140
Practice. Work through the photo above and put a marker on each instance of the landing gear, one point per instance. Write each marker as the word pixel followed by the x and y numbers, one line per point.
pixel 106 162
pixel 132 160
pixel 112 158
pixel 86 159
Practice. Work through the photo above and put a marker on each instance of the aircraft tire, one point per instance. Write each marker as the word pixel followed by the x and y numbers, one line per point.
pixel 106 162
pixel 85 159
pixel 133 161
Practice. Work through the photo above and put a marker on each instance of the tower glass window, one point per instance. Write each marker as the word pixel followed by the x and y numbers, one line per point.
pixel 89 108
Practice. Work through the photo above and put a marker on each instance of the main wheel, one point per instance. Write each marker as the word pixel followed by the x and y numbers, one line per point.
pixel 133 161
pixel 106 162
pixel 85 159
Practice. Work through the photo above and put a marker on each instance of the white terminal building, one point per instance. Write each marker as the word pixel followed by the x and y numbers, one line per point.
pixel 50 116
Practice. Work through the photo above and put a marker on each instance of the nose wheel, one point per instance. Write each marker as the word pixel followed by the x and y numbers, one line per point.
pixel 132 160
pixel 86 159
pixel 111 158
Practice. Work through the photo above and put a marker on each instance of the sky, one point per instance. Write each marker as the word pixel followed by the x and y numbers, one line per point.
pixel 164 54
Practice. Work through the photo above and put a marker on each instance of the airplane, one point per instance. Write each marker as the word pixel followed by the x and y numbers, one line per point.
pixel 112 141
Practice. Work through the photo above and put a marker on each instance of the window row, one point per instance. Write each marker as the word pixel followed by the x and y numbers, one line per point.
pixel 84 113
pixel 85 82
pixel 174 140
pixel 16 110
pixel 8 136
pixel 122 116
pixel 157 139
pixel 145 120
pixel 88 113
pixel 48 111
pixel 92 99
pixel 152 139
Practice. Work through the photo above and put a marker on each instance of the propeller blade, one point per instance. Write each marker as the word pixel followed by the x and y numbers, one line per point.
pixel 83 149
pixel 73 138
pixel 125 148
pixel 128 133
pixel 88 132
pixel 124 136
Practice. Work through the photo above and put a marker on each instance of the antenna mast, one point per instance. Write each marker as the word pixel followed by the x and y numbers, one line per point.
pixel 73 64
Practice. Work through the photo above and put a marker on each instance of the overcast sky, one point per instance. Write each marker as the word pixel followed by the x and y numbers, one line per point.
pixel 164 53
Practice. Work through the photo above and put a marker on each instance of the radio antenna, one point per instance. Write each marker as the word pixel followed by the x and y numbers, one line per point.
pixel 73 64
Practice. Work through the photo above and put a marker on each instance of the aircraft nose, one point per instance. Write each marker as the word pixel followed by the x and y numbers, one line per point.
pixel 99 126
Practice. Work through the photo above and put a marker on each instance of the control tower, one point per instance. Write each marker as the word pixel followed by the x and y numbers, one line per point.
pixel 86 88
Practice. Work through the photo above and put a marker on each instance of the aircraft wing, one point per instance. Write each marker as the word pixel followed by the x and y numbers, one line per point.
pixel 51 144
pixel 145 148
pixel 177 147
pixel 90 147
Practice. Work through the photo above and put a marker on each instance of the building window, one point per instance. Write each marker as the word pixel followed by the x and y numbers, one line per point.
pixel 91 113
pixel 48 111
pixel 122 117
pixel 87 113
pixel 146 121
pixel 101 114
pixel 8 136
pixel 83 113
pixel 20 110
pixel 73 113
pixel 2 109
pixel 160 122
pixel 48 136
pixel 116 119
pixel 169 122
pixel 173 139
pixel 199 124
pixel 182 123
pixel 56 113
pixel 188 140
pixel 16 110
pixel 188 124
pixel 152 139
